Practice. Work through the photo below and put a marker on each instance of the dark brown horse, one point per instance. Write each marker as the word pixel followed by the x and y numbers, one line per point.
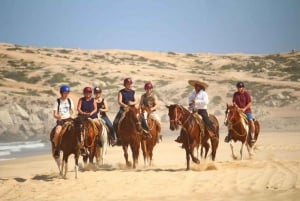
pixel 193 133
pixel 69 144
pixel 129 132
pixel 238 128
pixel 148 144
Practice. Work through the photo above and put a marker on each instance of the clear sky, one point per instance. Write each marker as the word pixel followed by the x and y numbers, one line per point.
pixel 195 26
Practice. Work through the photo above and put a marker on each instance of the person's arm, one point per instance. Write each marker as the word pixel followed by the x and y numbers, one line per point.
pixel 155 104
pixel 141 105
pixel 135 101
pixel 95 108
pixel 79 107
pixel 105 109
pixel 56 114
pixel 120 100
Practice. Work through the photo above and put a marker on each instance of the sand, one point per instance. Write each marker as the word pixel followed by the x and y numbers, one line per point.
pixel 273 174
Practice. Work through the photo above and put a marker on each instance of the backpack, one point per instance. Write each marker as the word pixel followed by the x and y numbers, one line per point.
pixel 58 101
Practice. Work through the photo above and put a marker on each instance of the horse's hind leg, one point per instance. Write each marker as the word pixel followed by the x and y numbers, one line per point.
pixel 214 147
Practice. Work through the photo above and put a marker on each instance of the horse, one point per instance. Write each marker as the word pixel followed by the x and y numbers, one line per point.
pixel 193 133
pixel 238 128
pixel 69 144
pixel 130 133
pixel 148 144
pixel 95 140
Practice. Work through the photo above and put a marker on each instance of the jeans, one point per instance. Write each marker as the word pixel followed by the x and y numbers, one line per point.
pixel 110 126
pixel 117 119
pixel 206 120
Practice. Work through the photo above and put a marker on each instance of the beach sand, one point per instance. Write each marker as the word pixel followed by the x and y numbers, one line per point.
pixel 273 174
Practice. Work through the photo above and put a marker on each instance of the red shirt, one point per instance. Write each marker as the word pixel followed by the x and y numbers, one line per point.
pixel 242 99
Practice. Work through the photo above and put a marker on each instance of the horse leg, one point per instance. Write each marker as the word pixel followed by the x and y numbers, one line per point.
pixel 187 155
pixel 65 165
pixel 76 164
pixel 125 149
pixel 250 150
pixel 241 151
pixel 214 146
pixel 144 150
pixel 206 147
pixel 232 150
pixel 135 154
pixel 194 159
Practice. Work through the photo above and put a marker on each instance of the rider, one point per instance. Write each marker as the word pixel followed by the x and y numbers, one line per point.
pixel 198 102
pixel 149 99
pixel 126 98
pixel 102 108
pixel 87 107
pixel 63 111
pixel 242 99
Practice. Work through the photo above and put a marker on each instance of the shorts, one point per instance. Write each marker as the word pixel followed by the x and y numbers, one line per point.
pixel 249 116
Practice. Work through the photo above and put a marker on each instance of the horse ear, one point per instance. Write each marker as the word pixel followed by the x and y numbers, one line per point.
pixel 167 106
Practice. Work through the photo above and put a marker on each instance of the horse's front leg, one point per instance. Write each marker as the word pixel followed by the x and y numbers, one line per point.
pixel 192 147
pixel 241 151
pixel 187 155
pixel 125 149
pixel 76 165
pixel 135 154
pixel 232 150
pixel 250 150
pixel 144 150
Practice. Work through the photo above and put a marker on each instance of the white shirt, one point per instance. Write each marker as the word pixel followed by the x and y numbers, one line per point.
pixel 64 108
pixel 201 100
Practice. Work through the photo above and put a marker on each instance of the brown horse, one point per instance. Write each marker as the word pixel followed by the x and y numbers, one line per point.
pixel 238 128
pixel 129 132
pixel 148 144
pixel 69 144
pixel 90 134
pixel 193 133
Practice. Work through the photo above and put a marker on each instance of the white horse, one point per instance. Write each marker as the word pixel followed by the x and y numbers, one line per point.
pixel 102 150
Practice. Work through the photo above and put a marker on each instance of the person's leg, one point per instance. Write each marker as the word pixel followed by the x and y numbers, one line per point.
pixel 145 122
pixel 207 121
pixel 252 127
pixel 110 126
pixel 56 138
pixel 117 119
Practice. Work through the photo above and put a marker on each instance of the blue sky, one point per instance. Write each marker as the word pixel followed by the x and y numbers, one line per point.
pixel 195 26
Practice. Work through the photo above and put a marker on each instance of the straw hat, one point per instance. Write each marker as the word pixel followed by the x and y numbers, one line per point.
pixel 196 82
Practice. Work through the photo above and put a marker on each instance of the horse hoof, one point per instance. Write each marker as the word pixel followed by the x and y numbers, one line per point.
pixel 197 161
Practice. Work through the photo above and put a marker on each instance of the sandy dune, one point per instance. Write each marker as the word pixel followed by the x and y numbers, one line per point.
pixel 273 174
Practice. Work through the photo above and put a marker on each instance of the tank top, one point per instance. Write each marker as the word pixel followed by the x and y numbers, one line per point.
pixel 127 95
pixel 101 106
pixel 88 106
pixel 148 100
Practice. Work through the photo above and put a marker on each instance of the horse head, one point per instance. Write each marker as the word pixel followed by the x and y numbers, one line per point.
pixel 135 116
pixel 231 114
pixel 175 115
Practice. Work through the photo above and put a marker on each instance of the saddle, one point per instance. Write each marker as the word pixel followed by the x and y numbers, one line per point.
pixel 202 125
pixel 200 122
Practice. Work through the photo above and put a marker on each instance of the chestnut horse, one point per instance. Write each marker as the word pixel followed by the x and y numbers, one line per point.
pixel 69 144
pixel 130 131
pixel 238 128
pixel 148 144
pixel 95 140
pixel 193 134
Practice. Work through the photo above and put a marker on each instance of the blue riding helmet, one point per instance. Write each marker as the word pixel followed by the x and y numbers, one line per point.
pixel 64 88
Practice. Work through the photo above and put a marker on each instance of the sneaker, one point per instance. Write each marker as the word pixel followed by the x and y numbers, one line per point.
pixel 114 142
